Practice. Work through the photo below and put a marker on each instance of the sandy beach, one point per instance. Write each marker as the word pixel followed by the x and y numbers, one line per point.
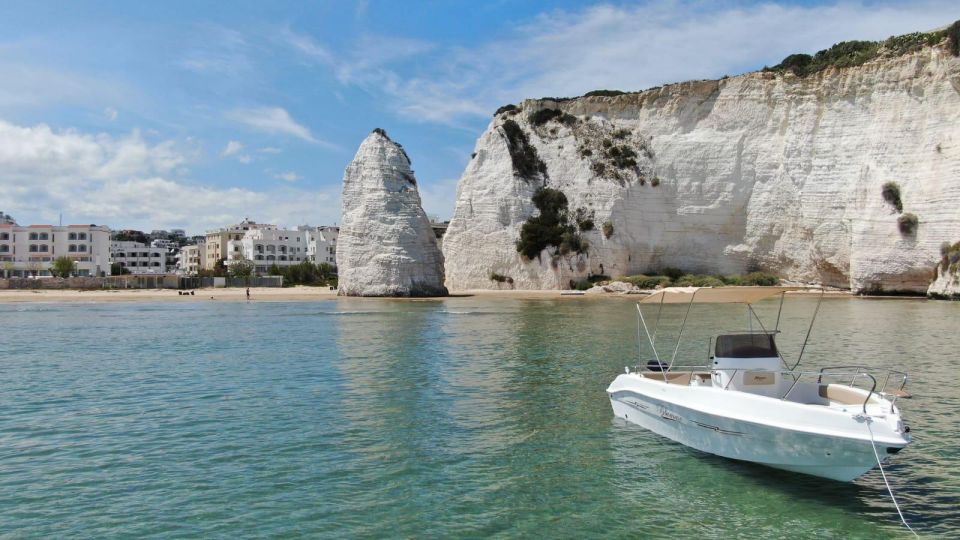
pixel 238 294
pixel 273 294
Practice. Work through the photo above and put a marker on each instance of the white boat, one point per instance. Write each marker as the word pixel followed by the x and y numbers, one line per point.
pixel 743 402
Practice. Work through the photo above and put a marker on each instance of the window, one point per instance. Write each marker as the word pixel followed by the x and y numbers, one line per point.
pixel 33 248
pixel 83 236
pixel 4 236
pixel 121 254
pixel 33 236
pixel 72 248
pixel 82 247
pixel 72 236
pixel 4 249
pixel 44 248
pixel 154 264
pixel 44 236
pixel 746 346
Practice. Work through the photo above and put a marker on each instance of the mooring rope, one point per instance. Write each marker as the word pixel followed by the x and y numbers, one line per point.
pixel 867 420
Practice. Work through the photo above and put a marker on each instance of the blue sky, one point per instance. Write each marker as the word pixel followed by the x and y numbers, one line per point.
pixel 196 114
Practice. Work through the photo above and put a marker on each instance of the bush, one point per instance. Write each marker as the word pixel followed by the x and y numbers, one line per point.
pixel 855 53
pixel 604 93
pixel 307 273
pixel 647 282
pixel 584 219
pixel 953 37
pixel 797 63
pixel 694 280
pixel 580 285
pixel 673 273
pixel 541 117
pixel 607 229
pixel 752 279
pixel 500 278
pixel 908 223
pixel 62 267
pixel 891 194
pixel 550 228
pixel 623 157
pixel 586 152
pixel 951 256
pixel 598 168
pixel 506 108
pixel 526 163
pixel 621 134
pixel 655 181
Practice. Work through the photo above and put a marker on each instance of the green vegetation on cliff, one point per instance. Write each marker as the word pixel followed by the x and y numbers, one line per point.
pixel 856 53
pixel 523 155
pixel 551 228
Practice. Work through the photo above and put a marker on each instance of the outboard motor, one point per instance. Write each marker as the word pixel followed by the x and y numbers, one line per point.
pixel 748 363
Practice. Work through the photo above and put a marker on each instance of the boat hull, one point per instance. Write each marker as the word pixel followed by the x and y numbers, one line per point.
pixel 841 451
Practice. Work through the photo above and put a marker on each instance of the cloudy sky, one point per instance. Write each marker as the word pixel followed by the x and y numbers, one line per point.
pixel 195 114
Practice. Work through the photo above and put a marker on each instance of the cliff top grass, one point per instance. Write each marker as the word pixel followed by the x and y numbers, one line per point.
pixel 841 55
pixel 855 53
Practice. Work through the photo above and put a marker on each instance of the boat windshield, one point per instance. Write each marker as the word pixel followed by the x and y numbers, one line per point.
pixel 757 345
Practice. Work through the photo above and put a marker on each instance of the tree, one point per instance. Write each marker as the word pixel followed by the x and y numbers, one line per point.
pixel 62 267
pixel 241 268
pixel 116 269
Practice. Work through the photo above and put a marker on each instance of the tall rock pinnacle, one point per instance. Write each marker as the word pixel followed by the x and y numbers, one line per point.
pixel 386 245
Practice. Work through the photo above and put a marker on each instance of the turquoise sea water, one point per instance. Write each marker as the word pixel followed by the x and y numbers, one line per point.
pixel 467 417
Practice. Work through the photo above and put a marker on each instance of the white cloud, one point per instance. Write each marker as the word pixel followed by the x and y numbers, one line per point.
pixel 275 121
pixel 110 113
pixel 288 176
pixel 245 159
pixel 232 148
pixel 625 47
pixel 130 182
pixel 269 150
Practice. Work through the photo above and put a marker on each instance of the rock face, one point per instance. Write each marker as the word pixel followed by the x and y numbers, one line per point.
pixel 386 245
pixel 947 282
pixel 765 171
pixel 947 285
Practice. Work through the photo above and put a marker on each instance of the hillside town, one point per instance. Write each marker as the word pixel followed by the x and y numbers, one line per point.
pixel 98 251
pixel 247 248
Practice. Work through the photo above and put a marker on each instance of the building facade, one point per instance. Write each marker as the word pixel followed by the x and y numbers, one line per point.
pixel 190 258
pixel 270 247
pixel 323 245
pixel 217 242
pixel 139 258
pixel 29 251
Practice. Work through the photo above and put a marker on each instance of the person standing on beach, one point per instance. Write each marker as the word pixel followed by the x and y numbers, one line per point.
pixel 248 294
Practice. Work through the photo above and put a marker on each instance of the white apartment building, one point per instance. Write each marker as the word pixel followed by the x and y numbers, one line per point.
pixel 190 258
pixel 172 250
pixel 268 247
pixel 30 250
pixel 139 258
pixel 322 247
pixel 217 244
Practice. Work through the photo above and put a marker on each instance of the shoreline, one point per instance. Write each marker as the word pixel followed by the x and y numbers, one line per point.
pixel 307 294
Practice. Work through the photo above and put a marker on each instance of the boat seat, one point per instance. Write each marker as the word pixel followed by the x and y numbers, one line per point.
pixel 682 377
pixel 842 394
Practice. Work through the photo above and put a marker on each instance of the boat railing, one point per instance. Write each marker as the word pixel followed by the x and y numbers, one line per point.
pixel 854 373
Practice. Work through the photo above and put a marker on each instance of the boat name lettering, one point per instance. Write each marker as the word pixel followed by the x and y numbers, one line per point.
pixel 664 413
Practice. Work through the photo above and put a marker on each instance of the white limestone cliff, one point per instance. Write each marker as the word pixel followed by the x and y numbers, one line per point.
pixel 947 282
pixel 386 246
pixel 763 171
